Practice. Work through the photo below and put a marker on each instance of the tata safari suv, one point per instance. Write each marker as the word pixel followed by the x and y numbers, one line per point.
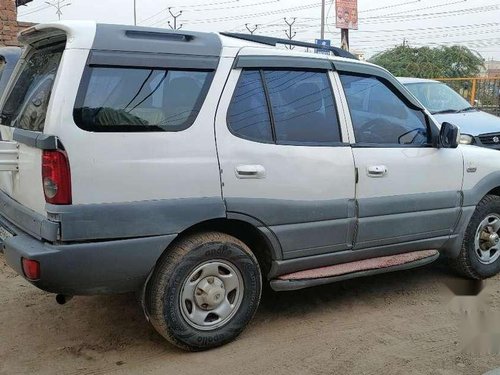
pixel 196 168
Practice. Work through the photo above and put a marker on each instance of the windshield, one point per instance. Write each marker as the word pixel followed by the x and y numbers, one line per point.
pixel 438 97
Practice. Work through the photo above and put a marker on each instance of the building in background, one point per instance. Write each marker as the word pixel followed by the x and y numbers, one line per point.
pixel 492 68
pixel 9 26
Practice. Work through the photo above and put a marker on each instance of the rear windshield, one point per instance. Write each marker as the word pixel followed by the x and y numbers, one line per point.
pixel 119 99
pixel 27 102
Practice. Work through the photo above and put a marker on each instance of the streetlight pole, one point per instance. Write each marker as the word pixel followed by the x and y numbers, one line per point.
pixel 323 5
pixel 135 12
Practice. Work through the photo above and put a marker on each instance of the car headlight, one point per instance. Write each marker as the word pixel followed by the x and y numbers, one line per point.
pixel 466 139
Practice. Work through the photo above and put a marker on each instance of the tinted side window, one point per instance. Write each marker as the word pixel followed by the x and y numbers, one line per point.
pixel 248 114
pixel 130 99
pixel 303 106
pixel 379 116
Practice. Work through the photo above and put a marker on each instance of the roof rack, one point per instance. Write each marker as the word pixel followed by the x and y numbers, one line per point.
pixel 275 41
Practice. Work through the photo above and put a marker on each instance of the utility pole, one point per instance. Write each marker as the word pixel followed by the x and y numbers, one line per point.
pixel 288 32
pixel 251 30
pixel 135 12
pixel 58 4
pixel 174 16
pixel 323 5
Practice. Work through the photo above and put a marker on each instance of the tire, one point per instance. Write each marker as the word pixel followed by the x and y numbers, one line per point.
pixel 472 262
pixel 178 296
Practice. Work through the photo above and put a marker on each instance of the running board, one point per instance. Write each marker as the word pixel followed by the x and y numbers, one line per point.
pixel 345 271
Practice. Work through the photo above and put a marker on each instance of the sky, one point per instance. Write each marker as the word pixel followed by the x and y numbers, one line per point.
pixel 382 23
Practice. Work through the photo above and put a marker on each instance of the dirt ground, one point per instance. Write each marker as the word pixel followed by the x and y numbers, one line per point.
pixel 400 323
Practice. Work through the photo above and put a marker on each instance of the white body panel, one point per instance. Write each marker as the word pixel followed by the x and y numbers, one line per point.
pixel 291 172
pixel 409 171
pixel 125 167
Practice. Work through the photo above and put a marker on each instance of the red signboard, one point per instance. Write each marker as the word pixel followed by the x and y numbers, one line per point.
pixel 346 14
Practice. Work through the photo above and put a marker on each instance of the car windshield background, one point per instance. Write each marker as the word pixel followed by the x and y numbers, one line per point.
pixel 2 66
pixel 26 105
pixel 140 99
pixel 302 109
pixel 379 116
pixel 437 97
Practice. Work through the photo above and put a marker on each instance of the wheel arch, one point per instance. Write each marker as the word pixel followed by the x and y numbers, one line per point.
pixel 253 233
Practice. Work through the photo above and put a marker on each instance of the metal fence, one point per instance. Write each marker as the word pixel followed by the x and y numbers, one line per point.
pixel 483 93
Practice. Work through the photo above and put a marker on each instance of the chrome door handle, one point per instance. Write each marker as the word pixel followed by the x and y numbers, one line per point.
pixel 377 171
pixel 250 171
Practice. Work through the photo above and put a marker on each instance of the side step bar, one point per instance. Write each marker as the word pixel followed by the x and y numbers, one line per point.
pixel 346 271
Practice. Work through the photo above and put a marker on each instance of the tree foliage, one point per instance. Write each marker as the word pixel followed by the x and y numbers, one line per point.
pixel 425 62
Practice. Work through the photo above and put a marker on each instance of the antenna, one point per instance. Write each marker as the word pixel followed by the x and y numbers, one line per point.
pixel 58 4
pixel 174 16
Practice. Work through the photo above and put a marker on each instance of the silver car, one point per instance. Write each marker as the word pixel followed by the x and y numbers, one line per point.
pixel 477 127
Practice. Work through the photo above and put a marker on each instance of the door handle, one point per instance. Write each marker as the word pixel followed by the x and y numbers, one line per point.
pixel 377 171
pixel 250 171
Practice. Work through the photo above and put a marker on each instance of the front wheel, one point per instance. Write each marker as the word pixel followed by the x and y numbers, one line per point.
pixel 204 291
pixel 480 254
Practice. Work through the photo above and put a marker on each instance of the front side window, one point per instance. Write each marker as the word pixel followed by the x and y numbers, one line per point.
pixel 26 105
pixel 293 107
pixel 380 116
pixel 138 99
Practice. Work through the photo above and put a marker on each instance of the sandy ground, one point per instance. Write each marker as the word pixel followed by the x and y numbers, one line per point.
pixel 401 323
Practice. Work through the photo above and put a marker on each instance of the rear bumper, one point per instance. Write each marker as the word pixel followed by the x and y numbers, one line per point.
pixel 87 268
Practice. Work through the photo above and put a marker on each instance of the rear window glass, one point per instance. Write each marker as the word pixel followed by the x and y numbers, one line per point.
pixel 138 99
pixel 27 102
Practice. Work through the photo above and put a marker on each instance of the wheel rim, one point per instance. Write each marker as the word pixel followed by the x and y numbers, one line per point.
pixel 487 239
pixel 211 295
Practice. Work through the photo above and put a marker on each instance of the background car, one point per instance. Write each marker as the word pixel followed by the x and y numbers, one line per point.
pixel 476 127
pixel 9 56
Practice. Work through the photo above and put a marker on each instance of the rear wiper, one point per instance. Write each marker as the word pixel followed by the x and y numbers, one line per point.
pixel 445 111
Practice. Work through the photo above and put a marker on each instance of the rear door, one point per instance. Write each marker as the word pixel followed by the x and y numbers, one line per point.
pixel 22 120
pixel 285 159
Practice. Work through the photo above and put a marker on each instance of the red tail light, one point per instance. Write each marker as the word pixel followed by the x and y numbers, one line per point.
pixel 31 269
pixel 56 177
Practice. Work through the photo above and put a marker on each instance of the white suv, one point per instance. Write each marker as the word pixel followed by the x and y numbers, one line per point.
pixel 195 167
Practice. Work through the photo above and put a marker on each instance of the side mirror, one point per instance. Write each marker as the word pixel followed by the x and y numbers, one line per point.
pixel 449 136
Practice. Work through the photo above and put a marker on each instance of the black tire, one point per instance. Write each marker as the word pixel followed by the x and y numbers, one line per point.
pixel 163 292
pixel 467 264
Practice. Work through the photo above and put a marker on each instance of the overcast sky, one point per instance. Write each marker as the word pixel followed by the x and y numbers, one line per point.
pixel 382 23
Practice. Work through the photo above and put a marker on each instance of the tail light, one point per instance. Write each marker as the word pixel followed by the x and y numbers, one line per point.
pixel 56 177
pixel 31 269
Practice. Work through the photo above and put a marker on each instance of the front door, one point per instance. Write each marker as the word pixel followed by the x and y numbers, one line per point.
pixel 284 160
pixel 408 190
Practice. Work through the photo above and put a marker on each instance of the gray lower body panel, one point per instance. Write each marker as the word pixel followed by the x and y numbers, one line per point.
pixel 88 268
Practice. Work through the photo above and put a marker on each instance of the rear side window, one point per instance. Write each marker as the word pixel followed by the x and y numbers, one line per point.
pixel 138 99
pixel 248 115
pixel 303 107
pixel 293 107
pixel 27 102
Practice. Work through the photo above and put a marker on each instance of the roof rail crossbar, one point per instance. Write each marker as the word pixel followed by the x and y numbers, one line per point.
pixel 275 41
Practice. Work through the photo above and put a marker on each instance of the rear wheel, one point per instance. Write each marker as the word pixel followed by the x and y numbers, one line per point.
pixel 480 254
pixel 204 291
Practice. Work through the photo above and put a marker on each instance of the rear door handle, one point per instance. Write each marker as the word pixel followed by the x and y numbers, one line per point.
pixel 250 171
pixel 377 171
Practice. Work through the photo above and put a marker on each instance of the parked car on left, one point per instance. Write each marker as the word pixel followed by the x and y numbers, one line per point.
pixel 9 56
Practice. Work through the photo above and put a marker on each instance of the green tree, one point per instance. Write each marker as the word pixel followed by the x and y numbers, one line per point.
pixel 426 62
